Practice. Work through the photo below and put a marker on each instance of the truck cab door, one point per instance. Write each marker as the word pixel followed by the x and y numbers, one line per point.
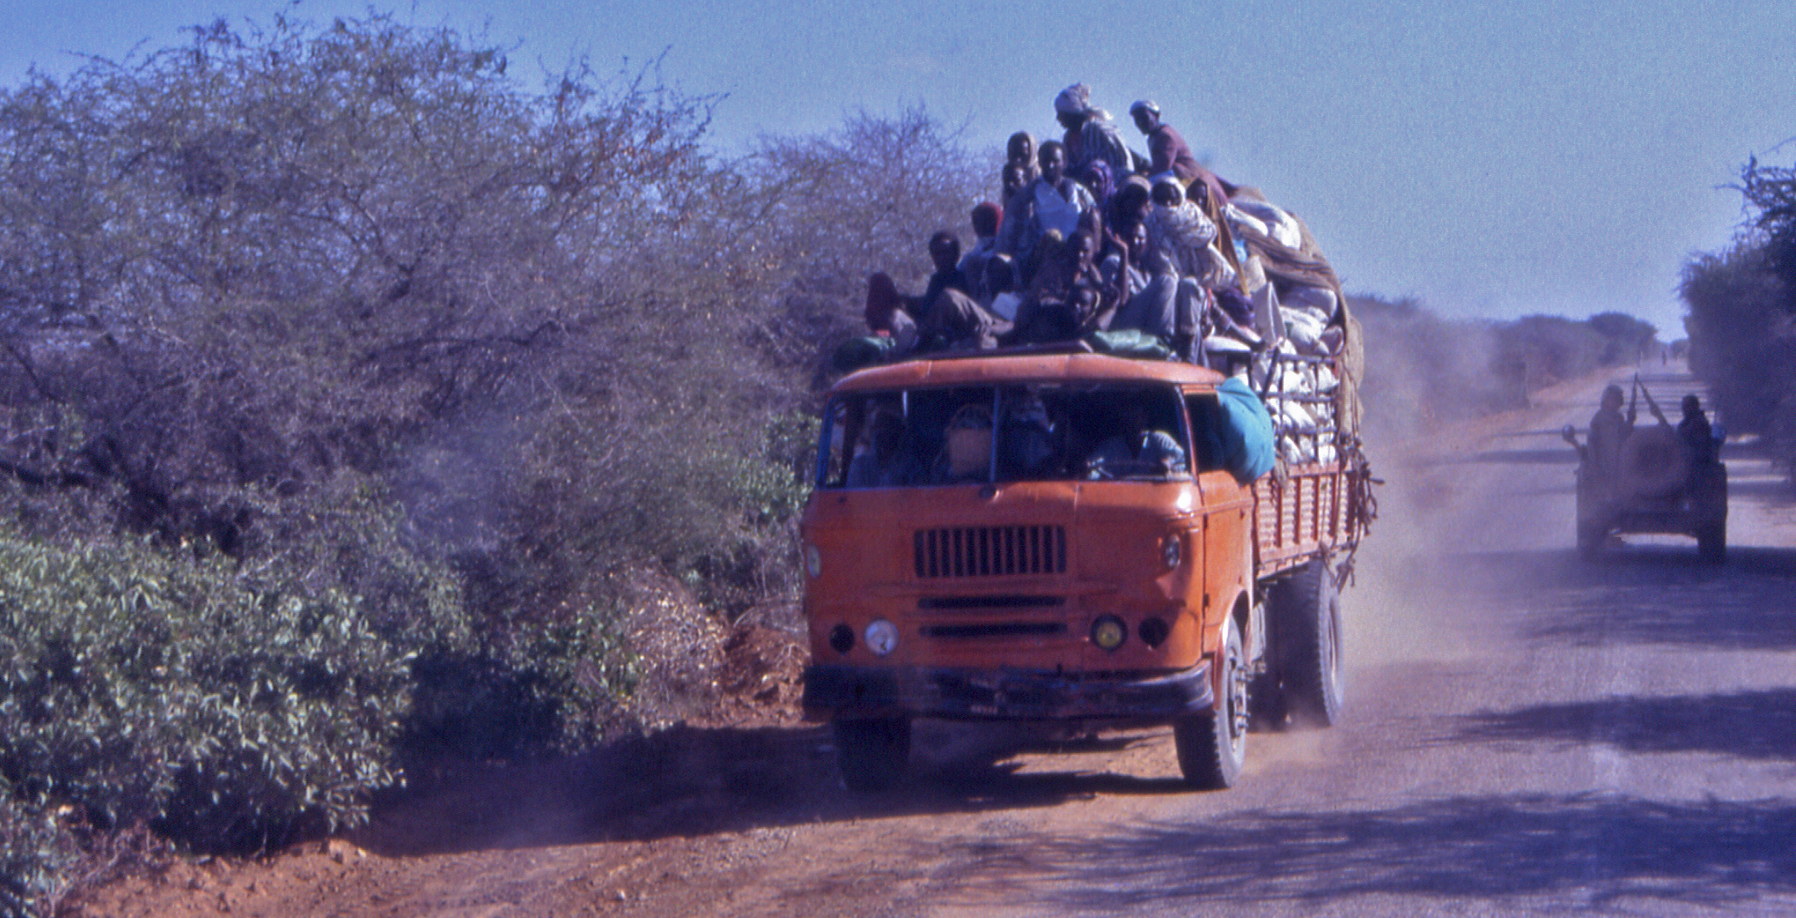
pixel 1228 518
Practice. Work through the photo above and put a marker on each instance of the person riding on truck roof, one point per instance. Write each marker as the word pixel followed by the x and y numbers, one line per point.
pixel 1053 201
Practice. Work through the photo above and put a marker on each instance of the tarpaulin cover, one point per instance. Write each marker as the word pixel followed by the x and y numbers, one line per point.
pixel 1128 343
pixel 1248 447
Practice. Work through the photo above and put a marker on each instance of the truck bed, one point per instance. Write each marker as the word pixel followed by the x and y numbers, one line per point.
pixel 1302 513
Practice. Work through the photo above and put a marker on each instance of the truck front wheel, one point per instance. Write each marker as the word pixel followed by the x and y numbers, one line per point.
pixel 872 753
pixel 1212 745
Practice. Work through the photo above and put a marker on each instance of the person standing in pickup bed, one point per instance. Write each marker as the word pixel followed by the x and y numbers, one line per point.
pixel 1608 431
pixel 1698 437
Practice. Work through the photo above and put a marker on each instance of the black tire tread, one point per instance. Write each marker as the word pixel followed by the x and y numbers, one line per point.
pixel 1206 758
pixel 1313 691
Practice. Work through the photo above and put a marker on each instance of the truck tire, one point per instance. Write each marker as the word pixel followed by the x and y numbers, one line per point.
pixel 1711 542
pixel 872 754
pixel 1314 680
pixel 1212 746
pixel 1590 541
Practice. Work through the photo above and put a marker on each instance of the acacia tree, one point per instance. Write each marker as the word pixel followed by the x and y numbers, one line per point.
pixel 1742 312
pixel 244 265
pixel 1770 192
pixel 863 198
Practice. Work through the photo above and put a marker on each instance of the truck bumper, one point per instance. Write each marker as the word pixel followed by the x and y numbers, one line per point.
pixel 832 692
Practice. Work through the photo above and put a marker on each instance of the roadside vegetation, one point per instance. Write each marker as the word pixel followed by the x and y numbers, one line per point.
pixel 367 404
pixel 360 393
pixel 1742 314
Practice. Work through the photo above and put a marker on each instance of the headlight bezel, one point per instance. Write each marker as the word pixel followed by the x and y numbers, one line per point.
pixel 1172 551
pixel 881 637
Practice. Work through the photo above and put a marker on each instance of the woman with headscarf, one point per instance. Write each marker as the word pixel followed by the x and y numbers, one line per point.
pixel 1091 135
pixel 1019 151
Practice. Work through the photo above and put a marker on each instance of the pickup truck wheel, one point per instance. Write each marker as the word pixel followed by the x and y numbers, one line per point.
pixel 1212 746
pixel 1711 542
pixel 872 753
pixel 1315 681
pixel 1590 541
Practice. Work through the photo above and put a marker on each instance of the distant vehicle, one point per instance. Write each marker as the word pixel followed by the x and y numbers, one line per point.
pixel 1002 565
pixel 1658 486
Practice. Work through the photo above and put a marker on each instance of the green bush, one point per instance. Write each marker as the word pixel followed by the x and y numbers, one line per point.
pixel 36 855
pixel 532 688
pixel 221 705
pixel 1742 340
pixel 427 363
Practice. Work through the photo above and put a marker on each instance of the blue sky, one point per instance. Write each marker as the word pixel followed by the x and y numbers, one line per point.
pixel 1559 156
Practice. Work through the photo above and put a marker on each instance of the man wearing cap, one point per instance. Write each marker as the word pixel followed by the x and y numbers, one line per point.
pixel 1166 149
pixel 1168 153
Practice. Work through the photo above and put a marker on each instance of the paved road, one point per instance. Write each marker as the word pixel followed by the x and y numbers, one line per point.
pixel 1527 734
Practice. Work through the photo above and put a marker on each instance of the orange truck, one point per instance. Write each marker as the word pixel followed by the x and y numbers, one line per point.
pixel 1053 537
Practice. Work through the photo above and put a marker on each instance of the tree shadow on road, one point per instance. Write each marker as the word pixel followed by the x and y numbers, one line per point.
pixel 1750 724
pixel 1664 594
pixel 1583 851
pixel 1636 593
pixel 699 781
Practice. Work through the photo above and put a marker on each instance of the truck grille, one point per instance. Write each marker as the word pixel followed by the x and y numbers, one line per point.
pixel 990 551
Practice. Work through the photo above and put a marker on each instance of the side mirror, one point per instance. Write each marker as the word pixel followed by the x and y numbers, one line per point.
pixel 1570 434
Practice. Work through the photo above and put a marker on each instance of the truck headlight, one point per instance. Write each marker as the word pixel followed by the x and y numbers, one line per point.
pixel 1172 551
pixel 1109 632
pixel 813 560
pixel 882 637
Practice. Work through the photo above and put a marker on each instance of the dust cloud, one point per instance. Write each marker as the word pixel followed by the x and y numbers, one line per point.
pixel 1463 484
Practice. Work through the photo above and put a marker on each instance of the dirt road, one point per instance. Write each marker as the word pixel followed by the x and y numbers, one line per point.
pixel 1526 734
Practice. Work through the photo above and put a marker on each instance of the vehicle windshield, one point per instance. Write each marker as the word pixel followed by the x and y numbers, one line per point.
pixel 981 434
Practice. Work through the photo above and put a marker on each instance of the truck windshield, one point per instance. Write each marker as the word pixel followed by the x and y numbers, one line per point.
pixel 979 434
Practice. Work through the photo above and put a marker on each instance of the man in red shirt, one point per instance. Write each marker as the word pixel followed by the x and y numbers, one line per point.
pixel 1166 149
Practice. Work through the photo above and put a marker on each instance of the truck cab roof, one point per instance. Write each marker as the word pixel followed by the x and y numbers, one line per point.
pixel 997 367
